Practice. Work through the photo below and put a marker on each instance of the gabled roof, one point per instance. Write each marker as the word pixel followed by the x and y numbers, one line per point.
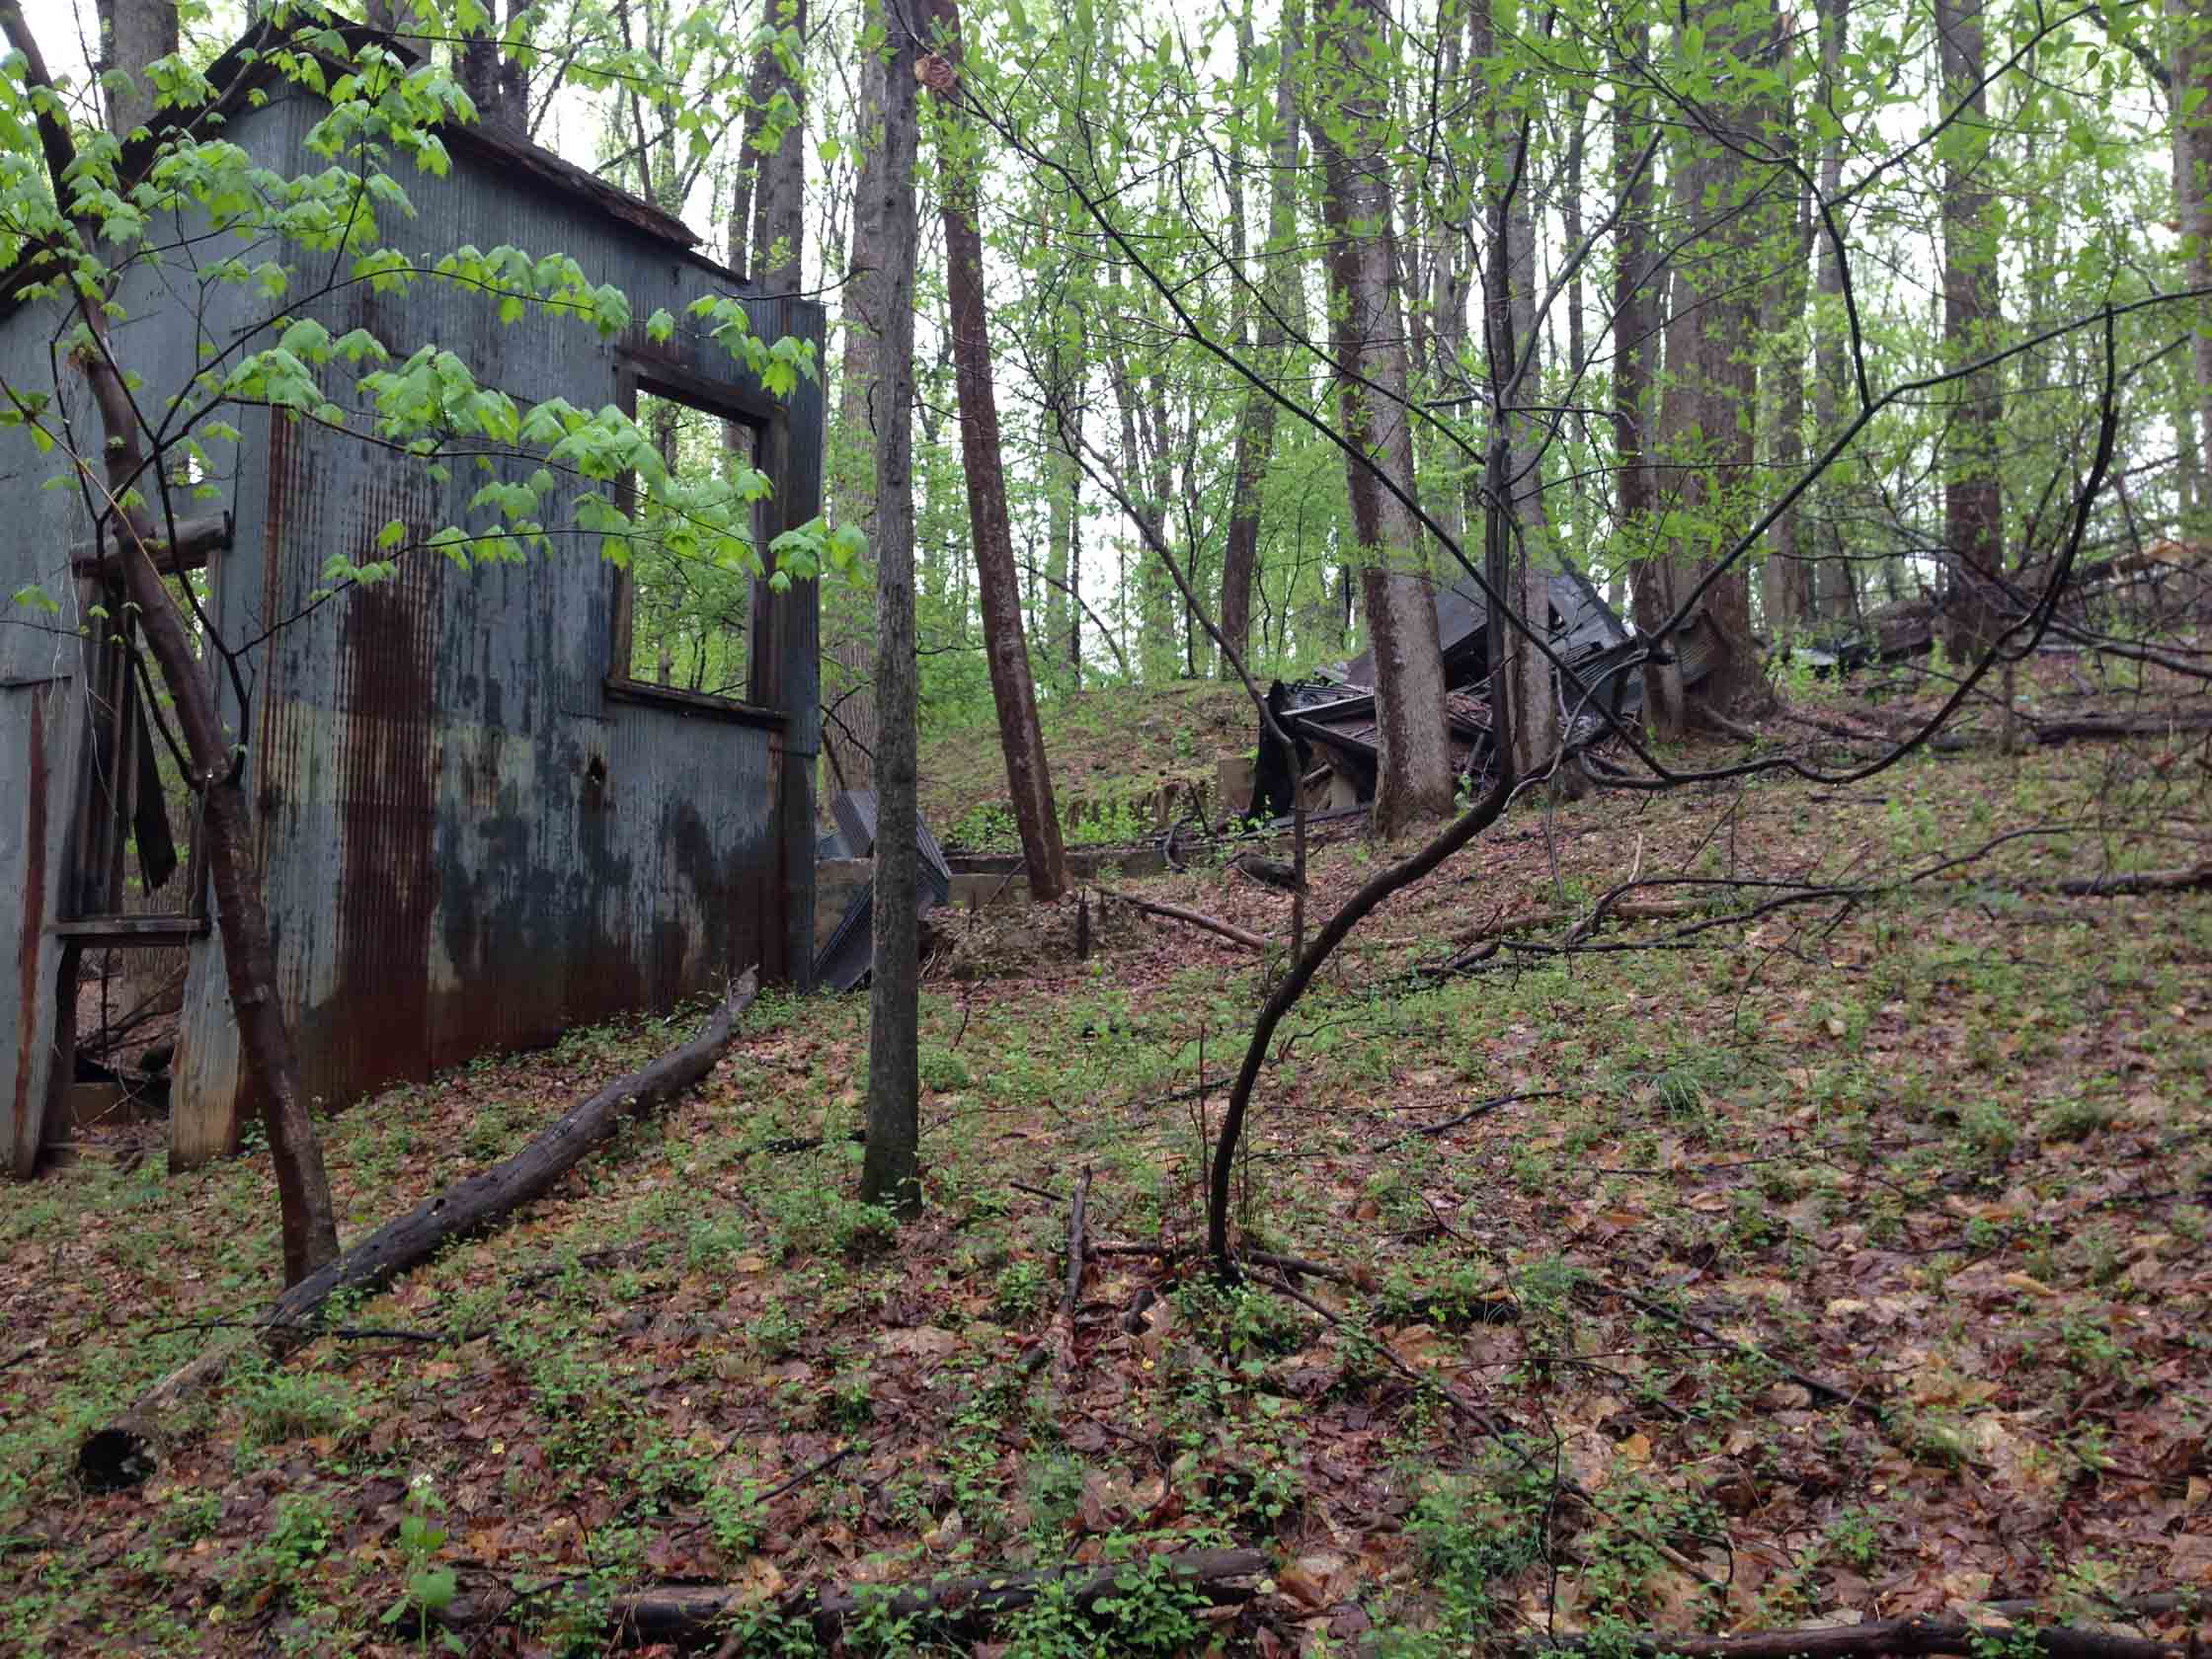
pixel 246 68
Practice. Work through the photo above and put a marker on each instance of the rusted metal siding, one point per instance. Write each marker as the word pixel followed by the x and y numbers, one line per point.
pixel 467 843
pixel 44 732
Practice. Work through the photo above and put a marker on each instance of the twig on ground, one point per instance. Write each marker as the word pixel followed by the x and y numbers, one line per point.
pixel 1175 912
pixel 1890 1636
pixel 1475 1111
pixel 1855 1400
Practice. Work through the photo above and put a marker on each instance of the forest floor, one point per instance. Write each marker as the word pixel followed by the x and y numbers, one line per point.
pixel 1112 751
pixel 1942 1146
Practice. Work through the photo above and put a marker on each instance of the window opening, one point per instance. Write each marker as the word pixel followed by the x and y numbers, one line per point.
pixel 684 603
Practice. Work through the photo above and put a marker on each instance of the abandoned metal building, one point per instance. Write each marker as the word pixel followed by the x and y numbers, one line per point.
pixel 476 827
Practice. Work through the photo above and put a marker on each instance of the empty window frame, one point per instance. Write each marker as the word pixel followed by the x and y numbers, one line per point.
pixel 683 601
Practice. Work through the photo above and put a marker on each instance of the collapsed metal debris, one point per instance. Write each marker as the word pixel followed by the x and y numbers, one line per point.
pixel 1331 717
pixel 845 958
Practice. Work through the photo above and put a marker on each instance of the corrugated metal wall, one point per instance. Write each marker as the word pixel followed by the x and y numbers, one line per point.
pixel 468 845
pixel 44 670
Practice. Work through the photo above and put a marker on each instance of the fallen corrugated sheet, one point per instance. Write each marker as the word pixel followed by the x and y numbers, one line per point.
pixel 845 960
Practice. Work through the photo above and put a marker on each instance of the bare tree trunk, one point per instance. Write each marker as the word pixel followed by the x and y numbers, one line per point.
pixel 1534 726
pixel 1005 644
pixel 1973 502
pixel 849 739
pixel 133 33
pixel 1704 424
pixel 779 195
pixel 1413 760
pixel 1787 589
pixel 1835 587
pixel 1571 207
pixel 2192 184
pixel 890 1171
pixel 1064 437
pixel 1255 434
pixel 1635 309
pixel 496 84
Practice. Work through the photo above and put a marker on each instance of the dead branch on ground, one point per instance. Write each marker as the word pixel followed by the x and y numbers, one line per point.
pixel 689 1612
pixel 1888 1637
pixel 121 1453
pixel 1175 912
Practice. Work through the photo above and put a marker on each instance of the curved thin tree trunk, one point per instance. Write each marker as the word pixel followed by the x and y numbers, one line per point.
pixel 1028 780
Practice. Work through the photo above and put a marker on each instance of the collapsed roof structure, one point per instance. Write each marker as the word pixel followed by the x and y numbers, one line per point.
pixel 1331 716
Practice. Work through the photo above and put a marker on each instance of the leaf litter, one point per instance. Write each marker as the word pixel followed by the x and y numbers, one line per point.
pixel 1940 1149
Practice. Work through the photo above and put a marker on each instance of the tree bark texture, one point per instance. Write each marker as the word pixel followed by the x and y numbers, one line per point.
pixel 779 188
pixel 1028 781
pixel 1705 409
pixel 1973 500
pixel 1835 586
pixel 1413 760
pixel 133 33
pixel 496 83
pixel 1255 432
pixel 1787 589
pixel 1535 723
pixel 467 1206
pixel 849 739
pixel 2192 186
pixel 890 1172
pixel 1635 311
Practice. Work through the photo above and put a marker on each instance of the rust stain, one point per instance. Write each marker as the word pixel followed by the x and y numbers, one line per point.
pixel 33 928
pixel 386 786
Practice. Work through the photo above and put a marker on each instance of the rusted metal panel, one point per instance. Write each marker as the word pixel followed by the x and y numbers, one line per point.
pixel 467 843
pixel 42 727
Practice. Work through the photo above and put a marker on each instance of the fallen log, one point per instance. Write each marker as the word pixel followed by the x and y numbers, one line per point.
pixel 1628 909
pixel 2136 881
pixel 2093 728
pixel 1887 1636
pixel 689 1612
pixel 121 1453
pixel 1175 912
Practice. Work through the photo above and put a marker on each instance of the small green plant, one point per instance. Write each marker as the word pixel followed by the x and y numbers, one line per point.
pixel 875 1626
pixel 1476 1534
pixel 1986 1131
pixel 774 1331
pixel 429 1587
pixel 1016 1293
pixel 1151 1610
pixel 2074 1119
pixel 1854 1535
pixel 1054 1485
pixel 276 1404
pixel 1053 1626
pixel 850 1402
